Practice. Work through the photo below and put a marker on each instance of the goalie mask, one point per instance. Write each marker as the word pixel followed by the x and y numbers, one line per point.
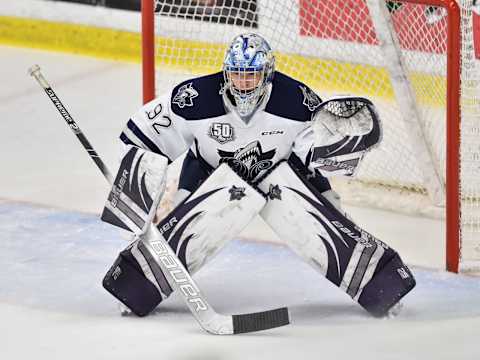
pixel 248 70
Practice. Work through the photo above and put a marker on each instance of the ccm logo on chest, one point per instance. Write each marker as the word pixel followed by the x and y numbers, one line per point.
pixel 272 132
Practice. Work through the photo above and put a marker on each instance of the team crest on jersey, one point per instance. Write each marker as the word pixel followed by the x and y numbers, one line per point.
pixel 221 132
pixel 185 96
pixel 248 161
pixel 310 99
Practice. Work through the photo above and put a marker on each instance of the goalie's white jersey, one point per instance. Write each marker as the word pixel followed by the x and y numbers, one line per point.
pixel 198 115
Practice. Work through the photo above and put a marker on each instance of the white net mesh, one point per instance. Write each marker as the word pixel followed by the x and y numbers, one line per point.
pixel 333 46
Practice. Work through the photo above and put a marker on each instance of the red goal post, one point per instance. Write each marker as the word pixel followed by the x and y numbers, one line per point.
pixel 452 181
pixel 148 50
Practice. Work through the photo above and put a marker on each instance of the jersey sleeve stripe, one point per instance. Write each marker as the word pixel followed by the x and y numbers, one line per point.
pixel 130 137
pixel 143 138
pixel 126 140
pixel 133 139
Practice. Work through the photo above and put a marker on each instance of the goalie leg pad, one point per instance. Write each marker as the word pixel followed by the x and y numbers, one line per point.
pixel 128 283
pixel 387 287
pixel 213 214
pixel 361 265
pixel 136 190
pixel 196 230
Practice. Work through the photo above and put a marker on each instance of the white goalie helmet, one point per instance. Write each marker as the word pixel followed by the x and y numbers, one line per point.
pixel 248 69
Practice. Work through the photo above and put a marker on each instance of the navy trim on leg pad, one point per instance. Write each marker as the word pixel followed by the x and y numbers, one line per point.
pixel 129 285
pixel 389 284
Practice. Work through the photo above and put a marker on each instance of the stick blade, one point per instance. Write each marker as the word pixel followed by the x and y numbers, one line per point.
pixel 263 320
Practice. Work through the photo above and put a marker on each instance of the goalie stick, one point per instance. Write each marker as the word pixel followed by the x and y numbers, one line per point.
pixel 178 277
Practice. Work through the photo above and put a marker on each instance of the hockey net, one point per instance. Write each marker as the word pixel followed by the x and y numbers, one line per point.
pixel 415 59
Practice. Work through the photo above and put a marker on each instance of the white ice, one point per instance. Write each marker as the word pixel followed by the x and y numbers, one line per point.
pixel 54 251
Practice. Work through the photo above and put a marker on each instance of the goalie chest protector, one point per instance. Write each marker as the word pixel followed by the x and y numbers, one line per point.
pixel 250 147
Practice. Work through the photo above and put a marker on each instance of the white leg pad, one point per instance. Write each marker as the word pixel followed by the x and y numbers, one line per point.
pixel 358 263
pixel 313 228
pixel 136 191
pixel 216 212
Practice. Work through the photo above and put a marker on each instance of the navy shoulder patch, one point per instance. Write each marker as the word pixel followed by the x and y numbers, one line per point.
pixel 199 98
pixel 292 99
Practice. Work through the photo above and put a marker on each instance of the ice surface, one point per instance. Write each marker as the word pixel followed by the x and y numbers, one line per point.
pixel 53 257
pixel 51 296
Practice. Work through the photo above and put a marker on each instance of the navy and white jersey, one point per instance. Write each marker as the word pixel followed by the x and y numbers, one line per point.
pixel 198 115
